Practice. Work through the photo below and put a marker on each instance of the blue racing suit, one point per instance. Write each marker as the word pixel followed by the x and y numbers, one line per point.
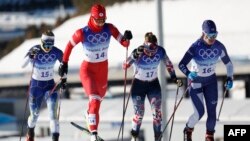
pixel 42 82
pixel 203 60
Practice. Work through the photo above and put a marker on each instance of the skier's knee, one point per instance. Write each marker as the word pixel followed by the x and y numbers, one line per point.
pixel 32 120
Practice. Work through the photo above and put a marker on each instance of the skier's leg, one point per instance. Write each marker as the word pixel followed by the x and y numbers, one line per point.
pixel 35 101
pixel 196 95
pixel 138 98
pixel 211 98
pixel 52 104
pixel 154 97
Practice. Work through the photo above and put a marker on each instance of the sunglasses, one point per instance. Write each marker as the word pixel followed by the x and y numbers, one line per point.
pixel 211 35
pixel 100 20
pixel 47 46
pixel 150 49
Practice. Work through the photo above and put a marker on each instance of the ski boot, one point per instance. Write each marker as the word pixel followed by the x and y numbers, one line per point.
pixel 158 136
pixel 30 134
pixel 134 135
pixel 86 116
pixel 94 137
pixel 188 133
pixel 55 137
pixel 209 136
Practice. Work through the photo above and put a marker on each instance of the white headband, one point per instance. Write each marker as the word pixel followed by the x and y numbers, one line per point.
pixel 46 37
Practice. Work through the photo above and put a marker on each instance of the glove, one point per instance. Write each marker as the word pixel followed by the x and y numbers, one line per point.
pixel 63 69
pixel 177 81
pixel 128 35
pixel 125 66
pixel 63 84
pixel 138 52
pixel 229 83
pixel 33 52
pixel 125 42
pixel 192 75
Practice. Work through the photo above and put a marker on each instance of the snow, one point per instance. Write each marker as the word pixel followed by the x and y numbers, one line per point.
pixel 182 21
pixel 182 26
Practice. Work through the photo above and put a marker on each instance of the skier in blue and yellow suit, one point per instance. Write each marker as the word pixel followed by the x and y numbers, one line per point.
pixel 43 58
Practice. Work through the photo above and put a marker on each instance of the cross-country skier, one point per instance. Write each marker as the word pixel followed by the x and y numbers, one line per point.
pixel 95 38
pixel 146 59
pixel 43 58
pixel 204 55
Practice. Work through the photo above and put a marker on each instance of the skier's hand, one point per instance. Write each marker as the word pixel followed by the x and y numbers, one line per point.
pixel 229 83
pixel 33 52
pixel 63 84
pixel 192 75
pixel 125 66
pixel 63 69
pixel 138 52
pixel 128 35
pixel 125 42
pixel 178 82
pixel 126 38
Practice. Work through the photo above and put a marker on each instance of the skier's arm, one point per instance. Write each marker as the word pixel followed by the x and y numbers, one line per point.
pixel 118 36
pixel 226 60
pixel 171 71
pixel 30 55
pixel 184 62
pixel 130 60
pixel 76 38
pixel 26 61
pixel 169 66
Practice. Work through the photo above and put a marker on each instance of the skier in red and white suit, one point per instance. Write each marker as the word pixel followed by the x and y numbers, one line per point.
pixel 95 38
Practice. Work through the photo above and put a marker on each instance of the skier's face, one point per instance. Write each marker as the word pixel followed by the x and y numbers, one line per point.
pixel 150 49
pixel 47 46
pixel 210 38
pixel 99 22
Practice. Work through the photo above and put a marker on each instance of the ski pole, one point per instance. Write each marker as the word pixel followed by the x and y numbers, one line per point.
pixel 124 111
pixel 177 91
pixel 184 94
pixel 126 106
pixel 124 98
pixel 224 95
pixel 53 89
pixel 27 100
pixel 59 106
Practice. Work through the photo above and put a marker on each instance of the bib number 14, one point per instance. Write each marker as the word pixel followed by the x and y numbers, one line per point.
pixel 100 55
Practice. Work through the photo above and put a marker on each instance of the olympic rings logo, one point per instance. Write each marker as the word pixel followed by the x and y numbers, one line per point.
pixel 98 38
pixel 46 58
pixel 208 53
pixel 149 60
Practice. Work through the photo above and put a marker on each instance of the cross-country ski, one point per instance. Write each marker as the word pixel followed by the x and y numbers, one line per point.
pixel 85 130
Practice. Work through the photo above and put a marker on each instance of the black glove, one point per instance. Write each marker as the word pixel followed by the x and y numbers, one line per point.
pixel 128 35
pixel 63 69
pixel 63 83
pixel 33 52
pixel 177 81
pixel 138 52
